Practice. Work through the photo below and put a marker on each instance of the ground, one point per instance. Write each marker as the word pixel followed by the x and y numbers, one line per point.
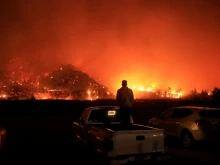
pixel 40 132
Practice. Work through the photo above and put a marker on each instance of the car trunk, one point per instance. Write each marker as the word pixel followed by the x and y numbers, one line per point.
pixel 212 116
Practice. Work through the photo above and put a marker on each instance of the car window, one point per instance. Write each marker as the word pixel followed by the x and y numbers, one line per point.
pixel 213 114
pixel 181 113
pixel 104 115
pixel 167 114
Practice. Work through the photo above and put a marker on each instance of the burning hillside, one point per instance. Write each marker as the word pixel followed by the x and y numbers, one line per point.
pixel 66 82
pixel 72 83
pixel 21 81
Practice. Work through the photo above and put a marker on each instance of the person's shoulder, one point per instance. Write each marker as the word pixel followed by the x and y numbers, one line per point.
pixel 130 89
pixel 119 89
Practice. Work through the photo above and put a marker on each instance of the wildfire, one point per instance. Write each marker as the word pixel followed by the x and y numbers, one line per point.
pixel 3 96
pixel 174 94
pixel 142 92
pixel 42 96
pixel 143 89
pixel 65 82
pixel 94 95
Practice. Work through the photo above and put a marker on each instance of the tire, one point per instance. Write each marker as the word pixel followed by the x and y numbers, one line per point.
pixel 92 157
pixel 187 139
pixel 90 152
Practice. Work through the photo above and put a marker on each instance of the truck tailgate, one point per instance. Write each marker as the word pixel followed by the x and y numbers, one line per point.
pixel 139 141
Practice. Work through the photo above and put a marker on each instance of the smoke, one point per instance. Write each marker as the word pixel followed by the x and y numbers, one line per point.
pixel 164 42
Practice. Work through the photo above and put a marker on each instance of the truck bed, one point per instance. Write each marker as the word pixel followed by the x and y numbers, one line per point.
pixel 134 139
pixel 119 127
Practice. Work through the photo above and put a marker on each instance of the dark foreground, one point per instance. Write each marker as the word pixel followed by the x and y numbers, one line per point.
pixel 40 131
pixel 66 152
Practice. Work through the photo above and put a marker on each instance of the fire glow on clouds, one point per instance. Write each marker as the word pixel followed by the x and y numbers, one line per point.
pixel 168 43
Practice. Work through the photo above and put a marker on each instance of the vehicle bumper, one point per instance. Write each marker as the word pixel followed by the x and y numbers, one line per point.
pixel 124 159
pixel 206 135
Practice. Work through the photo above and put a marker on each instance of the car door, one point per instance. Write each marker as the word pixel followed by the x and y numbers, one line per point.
pixel 175 123
pixel 82 126
pixel 163 120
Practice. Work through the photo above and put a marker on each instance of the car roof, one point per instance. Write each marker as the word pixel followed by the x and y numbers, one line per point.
pixel 197 108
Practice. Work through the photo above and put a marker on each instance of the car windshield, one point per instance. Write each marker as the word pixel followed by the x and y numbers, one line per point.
pixel 104 116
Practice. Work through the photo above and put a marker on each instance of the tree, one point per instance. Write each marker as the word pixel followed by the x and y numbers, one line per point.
pixel 216 93
pixel 194 93
pixel 204 95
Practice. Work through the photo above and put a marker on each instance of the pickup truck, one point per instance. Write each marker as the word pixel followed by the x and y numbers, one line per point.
pixel 100 133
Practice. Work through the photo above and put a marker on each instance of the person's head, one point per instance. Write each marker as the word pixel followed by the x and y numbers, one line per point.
pixel 124 83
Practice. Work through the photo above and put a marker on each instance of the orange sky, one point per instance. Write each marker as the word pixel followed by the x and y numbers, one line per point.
pixel 169 43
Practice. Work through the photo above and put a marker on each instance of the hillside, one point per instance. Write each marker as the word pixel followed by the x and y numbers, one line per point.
pixel 66 80
pixel 78 83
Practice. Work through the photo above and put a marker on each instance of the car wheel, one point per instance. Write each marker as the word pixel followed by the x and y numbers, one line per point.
pixel 187 139
pixel 90 152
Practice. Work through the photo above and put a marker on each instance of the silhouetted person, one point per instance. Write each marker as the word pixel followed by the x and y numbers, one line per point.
pixel 32 97
pixel 125 99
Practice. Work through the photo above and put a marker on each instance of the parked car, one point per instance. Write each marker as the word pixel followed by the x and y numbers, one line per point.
pixel 189 123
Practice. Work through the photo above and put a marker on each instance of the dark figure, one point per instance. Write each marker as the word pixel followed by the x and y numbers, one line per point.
pixel 125 99
pixel 32 97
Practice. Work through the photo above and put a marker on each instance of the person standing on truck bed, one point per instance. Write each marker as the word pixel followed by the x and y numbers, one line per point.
pixel 125 99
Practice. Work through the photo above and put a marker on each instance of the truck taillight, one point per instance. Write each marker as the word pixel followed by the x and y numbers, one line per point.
pixel 202 123
pixel 108 145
